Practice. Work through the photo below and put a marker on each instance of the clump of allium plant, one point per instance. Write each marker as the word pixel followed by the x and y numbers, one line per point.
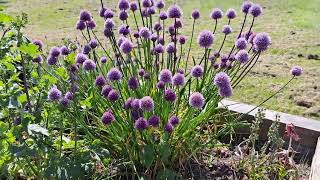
pixel 138 92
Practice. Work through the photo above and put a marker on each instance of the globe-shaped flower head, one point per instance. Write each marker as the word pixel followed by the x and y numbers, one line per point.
pixel 133 6
pixel 126 47
pixel 124 30
pixel 93 43
pixel 174 11
pixel 100 81
pixel 226 29
pixel 55 51
pixel 296 71
pixel 108 14
pixel 246 6
pixel 102 11
pixel 197 71
pixel 165 76
pixel 242 56
pixel 163 16
pixel 261 41
pixel 89 65
pixel 160 4
pixel 158 49
pixel 64 50
pixel 231 14
pixel 52 60
pixel 216 14
pixel 154 121
pixel 123 15
pixel 141 124
pixel 105 90
pixel 81 25
pixel 114 74
pixel 65 102
pixel 170 95
pixel 54 94
pixel 38 43
pixel 174 120
pixel 182 39
pixel 196 100
pixel 123 4
pixel 107 117
pixel 241 43
pixel 113 95
pixel 81 58
pixel 255 10
pixel 147 103
pixel 145 33
pixel 222 81
pixel 85 15
pixel 86 49
pixel 133 83
pixel 168 128
pixel 178 79
pixel 146 3
pixel 195 14
pixel 91 24
pixel 205 39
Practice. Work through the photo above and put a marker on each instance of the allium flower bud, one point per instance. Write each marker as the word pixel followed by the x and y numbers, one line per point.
pixel 232 57
pixel 197 71
pixel 241 43
pixel 215 65
pixel 160 85
pixel 85 15
pixel 123 4
pixel 69 95
pixel 93 43
pixel 231 14
pixel 133 6
pixel 107 32
pixel 170 48
pixel 174 11
pixel 182 39
pixel 91 24
pixel 38 59
pixel 133 83
pixel 246 6
pixel 126 47
pixel 242 56
pixel 124 30
pixel 165 76
pixel 216 14
pixel 113 95
pixel 105 90
pixel 178 79
pixel 100 81
pixel 174 120
pixel 81 25
pixel 146 3
pixel 163 16
pixel 262 41
pixel 154 37
pixel 157 27
pixel 222 81
pixel 159 49
pixel 86 49
pixel 226 29
pixel 196 100
pixel 151 11
pixel 136 35
pixel 102 11
pixel 224 58
pixel 145 33
pixel 168 128
pixel 38 43
pixel 123 15
pixel 114 74
pixel 170 95
pixel 135 104
pixel 103 60
pixel 141 124
pixel 178 24
pixel 171 30
pixel 81 58
pixel 296 71
pixel 108 14
pixel 154 121
pixel 127 104
pixel 141 72
pixel 52 60
pixel 64 102
pixel 147 103
pixel 160 4
pixel 64 50
pixel 195 14
pixel 205 39
pixel 55 51
pixel 54 94
pixel 107 117
pixel 255 10
pixel 89 65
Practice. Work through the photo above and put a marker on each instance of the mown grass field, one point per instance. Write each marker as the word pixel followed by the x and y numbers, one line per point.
pixel 294 26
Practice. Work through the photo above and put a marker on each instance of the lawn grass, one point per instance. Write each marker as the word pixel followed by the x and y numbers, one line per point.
pixel 293 25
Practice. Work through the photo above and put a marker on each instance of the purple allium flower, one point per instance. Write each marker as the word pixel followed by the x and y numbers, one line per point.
pixel 107 117
pixel 154 37
pixel 86 49
pixel 103 60
pixel 163 16
pixel 133 83
pixel 93 43
pixel 160 85
pixel 195 14
pixel 54 94
pixel 123 15
pixel 160 4
pixel 231 14
pixel 123 4
pixel 197 71
pixel 85 15
pixel 168 128
pixel 113 95
pixel 242 56
pixel 205 39
pixel 121 40
pixel 38 43
pixel 127 104
pixel 81 58
pixel 222 81
pixel 107 32
pixel 216 14
pixel 170 95
pixel 81 25
pixel 145 33
pixel 136 114
pixel 136 35
pixel 151 11
pixel 52 60
pixel 100 81
pixel 159 49
pixel 141 124
pixel 126 47
pixel 216 54
pixel 157 27
pixel 255 10
pixel 178 24
pixel 215 65
pixel 147 103
pixel 174 11
pixel 114 74
pixel 262 41
pixel 108 14
pixel 64 102
pixel 232 57
pixel 105 90
pixel 55 51
pixel 144 12
pixel 91 24
pixel 135 104
pixel 102 11
pixel 38 59
pixel 64 50
pixel 141 72
pixel 154 121
pixel 226 29
pixel 171 30
pixel 170 48
pixel 246 6
pixel 223 65
pixel 89 65
pixel 196 100
pixel 69 95
pixel 178 79
pixel 174 120
pixel 165 76
pixel 160 41
pixel 133 6
pixel 146 3
pixel 182 39
pixel 296 71
pixel 124 29
pixel 241 43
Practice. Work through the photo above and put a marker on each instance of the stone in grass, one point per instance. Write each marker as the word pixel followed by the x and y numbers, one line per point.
pixel 303 102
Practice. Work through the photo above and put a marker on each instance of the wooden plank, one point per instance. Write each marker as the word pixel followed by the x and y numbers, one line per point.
pixel 315 167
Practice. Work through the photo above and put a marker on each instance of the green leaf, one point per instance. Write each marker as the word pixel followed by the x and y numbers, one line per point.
pixel 5 18
pixel 148 155
pixel 164 151
pixel 22 98
pixel 87 102
pixel 62 72
pixel 70 59
pixel 30 49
